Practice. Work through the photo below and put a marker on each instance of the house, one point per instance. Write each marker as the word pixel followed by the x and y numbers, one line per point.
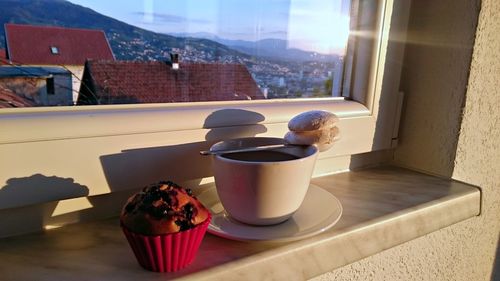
pixel 119 82
pixel 56 46
pixel 41 86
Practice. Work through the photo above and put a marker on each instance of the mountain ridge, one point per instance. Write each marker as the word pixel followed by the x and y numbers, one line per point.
pixel 121 36
pixel 267 48
pixel 130 42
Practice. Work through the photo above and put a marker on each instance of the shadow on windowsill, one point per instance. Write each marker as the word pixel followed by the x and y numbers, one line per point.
pixel 39 189
pixel 180 163
pixel 27 204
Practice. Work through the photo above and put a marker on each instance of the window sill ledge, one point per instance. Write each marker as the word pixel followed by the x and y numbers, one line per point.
pixel 383 207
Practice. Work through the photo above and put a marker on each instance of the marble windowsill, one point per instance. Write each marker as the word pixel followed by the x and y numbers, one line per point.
pixel 383 207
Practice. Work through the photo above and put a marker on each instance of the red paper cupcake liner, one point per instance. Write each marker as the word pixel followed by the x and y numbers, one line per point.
pixel 169 252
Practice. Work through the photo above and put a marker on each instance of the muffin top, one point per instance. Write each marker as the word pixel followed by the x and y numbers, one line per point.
pixel 162 208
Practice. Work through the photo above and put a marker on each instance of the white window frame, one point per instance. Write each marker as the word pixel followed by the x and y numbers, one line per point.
pixel 368 122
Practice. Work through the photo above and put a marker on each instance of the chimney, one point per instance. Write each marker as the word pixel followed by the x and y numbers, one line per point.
pixel 174 58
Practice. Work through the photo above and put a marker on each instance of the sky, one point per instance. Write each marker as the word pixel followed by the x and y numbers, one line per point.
pixel 313 25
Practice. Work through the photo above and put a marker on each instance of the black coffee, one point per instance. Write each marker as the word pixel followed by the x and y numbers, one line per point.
pixel 260 156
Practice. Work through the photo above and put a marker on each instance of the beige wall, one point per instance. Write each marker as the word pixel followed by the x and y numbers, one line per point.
pixel 442 135
pixel 77 75
pixel 434 79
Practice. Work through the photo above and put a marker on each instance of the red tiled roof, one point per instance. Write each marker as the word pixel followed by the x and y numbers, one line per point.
pixel 9 99
pixel 29 44
pixel 117 82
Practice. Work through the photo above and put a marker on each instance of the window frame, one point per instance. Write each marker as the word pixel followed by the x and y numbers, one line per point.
pixel 368 121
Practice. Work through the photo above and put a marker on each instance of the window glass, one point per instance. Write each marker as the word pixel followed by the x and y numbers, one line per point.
pixel 50 86
pixel 158 51
pixel 54 50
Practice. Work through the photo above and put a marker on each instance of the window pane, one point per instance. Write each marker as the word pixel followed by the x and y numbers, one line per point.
pixel 153 51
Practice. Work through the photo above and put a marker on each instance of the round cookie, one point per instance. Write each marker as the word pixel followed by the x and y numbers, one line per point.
pixel 312 137
pixel 323 139
pixel 312 120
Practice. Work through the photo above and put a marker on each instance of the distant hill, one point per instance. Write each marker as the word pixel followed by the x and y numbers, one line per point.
pixel 266 48
pixel 128 42
pixel 281 72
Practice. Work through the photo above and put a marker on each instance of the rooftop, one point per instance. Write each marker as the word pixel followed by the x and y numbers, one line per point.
pixel 118 82
pixel 9 99
pixel 30 71
pixel 46 45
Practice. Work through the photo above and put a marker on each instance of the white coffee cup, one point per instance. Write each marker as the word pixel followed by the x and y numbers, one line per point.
pixel 266 190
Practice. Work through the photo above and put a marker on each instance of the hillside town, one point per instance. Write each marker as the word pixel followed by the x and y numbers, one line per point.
pixel 58 66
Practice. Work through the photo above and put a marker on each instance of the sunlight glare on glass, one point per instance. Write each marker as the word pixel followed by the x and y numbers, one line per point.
pixel 148 15
pixel 318 26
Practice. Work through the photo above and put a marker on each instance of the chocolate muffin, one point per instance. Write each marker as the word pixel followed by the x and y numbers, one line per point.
pixel 164 225
pixel 162 208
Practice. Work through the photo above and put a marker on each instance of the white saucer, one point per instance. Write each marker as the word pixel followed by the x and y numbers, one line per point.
pixel 319 211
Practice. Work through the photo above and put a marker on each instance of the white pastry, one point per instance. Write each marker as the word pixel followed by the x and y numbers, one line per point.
pixel 323 139
pixel 313 120
pixel 312 137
